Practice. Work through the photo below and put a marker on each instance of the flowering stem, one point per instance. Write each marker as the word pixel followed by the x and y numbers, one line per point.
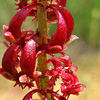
pixel 42 28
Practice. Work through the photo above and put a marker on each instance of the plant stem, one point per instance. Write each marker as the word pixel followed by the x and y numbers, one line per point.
pixel 42 28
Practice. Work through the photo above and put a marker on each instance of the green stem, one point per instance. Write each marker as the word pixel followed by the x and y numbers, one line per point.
pixel 42 28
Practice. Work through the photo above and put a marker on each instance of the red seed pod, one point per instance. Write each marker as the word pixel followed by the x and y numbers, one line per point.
pixel 28 58
pixel 60 36
pixel 18 18
pixel 68 19
pixel 9 61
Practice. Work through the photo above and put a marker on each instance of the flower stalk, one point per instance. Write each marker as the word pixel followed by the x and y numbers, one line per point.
pixel 42 28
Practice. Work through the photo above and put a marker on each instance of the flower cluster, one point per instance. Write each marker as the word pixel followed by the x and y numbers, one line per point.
pixel 19 60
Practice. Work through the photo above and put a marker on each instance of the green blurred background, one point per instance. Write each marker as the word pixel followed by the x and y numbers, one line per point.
pixel 85 52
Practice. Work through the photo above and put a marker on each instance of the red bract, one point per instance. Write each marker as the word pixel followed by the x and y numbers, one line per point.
pixel 67 62
pixel 17 20
pixel 68 19
pixel 71 84
pixel 9 63
pixel 59 37
pixel 28 58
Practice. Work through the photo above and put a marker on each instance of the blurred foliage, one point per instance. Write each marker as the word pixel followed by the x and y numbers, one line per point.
pixel 87 19
pixel 84 52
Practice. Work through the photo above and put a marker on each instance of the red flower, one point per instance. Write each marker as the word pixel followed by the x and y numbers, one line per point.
pixel 70 84
pixel 25 48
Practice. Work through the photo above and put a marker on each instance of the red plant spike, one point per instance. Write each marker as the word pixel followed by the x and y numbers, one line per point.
pixel 19 62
